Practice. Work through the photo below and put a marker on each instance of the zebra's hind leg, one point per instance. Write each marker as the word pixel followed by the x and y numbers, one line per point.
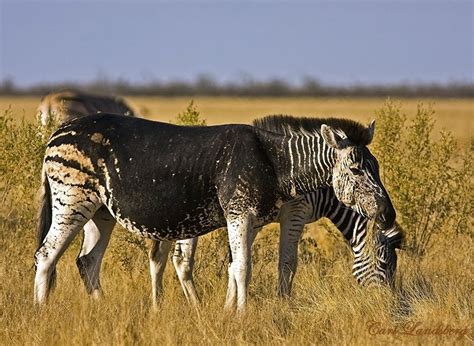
pixel 67 221
pixel 96 238
pixel 241 237
pixel 183 260
pixel 158 256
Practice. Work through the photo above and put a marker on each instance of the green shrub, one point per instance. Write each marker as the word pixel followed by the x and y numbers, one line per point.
pixel 428 178
pixel 22 147
pixel 190 116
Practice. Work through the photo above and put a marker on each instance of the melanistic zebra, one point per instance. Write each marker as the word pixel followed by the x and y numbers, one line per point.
pixel 372 264
pixel 67 104
pixel 375 263
pixel 170 182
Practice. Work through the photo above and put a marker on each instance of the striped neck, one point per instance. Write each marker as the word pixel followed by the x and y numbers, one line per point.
pixel 350 223
pixel 302 161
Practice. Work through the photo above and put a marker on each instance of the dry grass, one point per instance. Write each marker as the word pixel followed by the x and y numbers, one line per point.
pixel 456 115
pixel 327 306
pixel 433 292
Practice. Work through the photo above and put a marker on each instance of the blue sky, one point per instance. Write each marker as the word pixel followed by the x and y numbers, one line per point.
pixel 340 42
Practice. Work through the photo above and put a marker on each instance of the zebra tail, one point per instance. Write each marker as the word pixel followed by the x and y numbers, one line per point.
pixel 45 220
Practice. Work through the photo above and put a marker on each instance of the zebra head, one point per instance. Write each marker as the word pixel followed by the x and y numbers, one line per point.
pixel 375 258
pixel 356 179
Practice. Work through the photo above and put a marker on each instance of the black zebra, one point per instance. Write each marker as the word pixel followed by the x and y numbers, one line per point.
pixel 292 217
pixel 172 182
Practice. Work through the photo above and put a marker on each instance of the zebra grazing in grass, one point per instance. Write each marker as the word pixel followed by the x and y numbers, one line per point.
pixel 68 104
pixel 372 264
pixel 170 182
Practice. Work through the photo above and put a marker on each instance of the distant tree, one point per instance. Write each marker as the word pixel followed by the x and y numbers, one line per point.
pixel 7 86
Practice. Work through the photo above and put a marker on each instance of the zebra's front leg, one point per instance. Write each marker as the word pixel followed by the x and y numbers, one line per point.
pixel 158 256
pixel 96 238
pixel 240 241
pixel 183 260
pixel 288 262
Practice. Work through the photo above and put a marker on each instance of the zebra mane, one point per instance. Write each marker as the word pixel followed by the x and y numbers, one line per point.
pixel 357 133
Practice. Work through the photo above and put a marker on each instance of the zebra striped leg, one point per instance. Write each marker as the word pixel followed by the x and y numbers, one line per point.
pixel 240 240
pixel 292 221
pixel 183 260
pixel 158 256
pixel 288 259
pixel 96 238
pixel 67 221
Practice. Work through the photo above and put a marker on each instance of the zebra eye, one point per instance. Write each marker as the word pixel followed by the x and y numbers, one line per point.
pixel 356 170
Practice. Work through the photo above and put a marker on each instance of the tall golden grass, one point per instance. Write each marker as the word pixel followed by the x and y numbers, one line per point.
pixel 432 301
pixel 455 115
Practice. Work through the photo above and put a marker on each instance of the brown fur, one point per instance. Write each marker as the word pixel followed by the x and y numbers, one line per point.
pixel 69 104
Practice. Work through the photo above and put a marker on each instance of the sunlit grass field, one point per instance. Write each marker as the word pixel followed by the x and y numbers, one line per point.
pixel 432 303
pixel 456 115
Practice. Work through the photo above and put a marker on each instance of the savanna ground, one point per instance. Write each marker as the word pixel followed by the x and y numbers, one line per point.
pixel 427 173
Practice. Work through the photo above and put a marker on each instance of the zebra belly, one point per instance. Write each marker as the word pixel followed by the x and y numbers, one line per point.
pixel 175 220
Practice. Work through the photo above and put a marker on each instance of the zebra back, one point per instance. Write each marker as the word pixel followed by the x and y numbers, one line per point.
pixel 68 104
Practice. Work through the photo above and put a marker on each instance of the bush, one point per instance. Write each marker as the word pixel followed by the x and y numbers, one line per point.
pixel 22 147
pixel 190 117
pixel 429 180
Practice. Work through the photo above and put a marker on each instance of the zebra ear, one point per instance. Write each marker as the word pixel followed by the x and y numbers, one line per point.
pixel 370 132
pixel 331 137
